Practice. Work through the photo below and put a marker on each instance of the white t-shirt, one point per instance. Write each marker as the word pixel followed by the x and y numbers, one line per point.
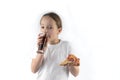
pixel 53 56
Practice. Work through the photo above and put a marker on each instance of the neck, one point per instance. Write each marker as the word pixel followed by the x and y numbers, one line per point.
pixel 54 41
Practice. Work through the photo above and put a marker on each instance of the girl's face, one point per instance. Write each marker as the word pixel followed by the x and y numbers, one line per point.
pixel 48 25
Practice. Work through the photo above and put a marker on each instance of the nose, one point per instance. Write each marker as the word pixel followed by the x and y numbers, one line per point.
pixel 45 30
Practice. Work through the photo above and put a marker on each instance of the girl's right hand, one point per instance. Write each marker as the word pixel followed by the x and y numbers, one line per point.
pixel 40 40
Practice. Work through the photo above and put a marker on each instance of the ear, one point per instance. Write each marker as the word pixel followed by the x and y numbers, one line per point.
pixel 59 30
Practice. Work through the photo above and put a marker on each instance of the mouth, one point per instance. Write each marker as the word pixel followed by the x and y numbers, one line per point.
pixel 48 37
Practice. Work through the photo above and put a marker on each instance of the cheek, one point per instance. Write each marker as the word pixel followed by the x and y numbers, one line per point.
pixel 50 32
pixel 41 30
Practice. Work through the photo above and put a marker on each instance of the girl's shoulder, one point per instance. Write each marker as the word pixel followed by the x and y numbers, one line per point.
pixel 65 42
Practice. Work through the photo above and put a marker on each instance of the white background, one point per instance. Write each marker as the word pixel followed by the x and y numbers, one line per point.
pixel 92 27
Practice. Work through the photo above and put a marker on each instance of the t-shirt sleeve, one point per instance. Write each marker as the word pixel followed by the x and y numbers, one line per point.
pixel 69 49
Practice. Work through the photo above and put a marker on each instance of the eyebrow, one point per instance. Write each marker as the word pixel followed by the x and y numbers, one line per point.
pixel 41 24
pixel 48 24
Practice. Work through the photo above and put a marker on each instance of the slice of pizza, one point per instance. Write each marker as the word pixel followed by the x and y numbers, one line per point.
pixel 65 62
pixel 71 60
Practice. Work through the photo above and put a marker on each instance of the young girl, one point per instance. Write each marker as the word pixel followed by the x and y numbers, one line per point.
pixel 48 59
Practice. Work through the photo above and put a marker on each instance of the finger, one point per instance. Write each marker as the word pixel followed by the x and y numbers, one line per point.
pixel 40 37
pixel 71 64
pixel 41 34
pixel 40 40
pixel 39 43
pixel 66 65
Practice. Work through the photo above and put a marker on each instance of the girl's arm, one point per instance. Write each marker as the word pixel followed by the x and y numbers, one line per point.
pixel 36 63
pixel 74 70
